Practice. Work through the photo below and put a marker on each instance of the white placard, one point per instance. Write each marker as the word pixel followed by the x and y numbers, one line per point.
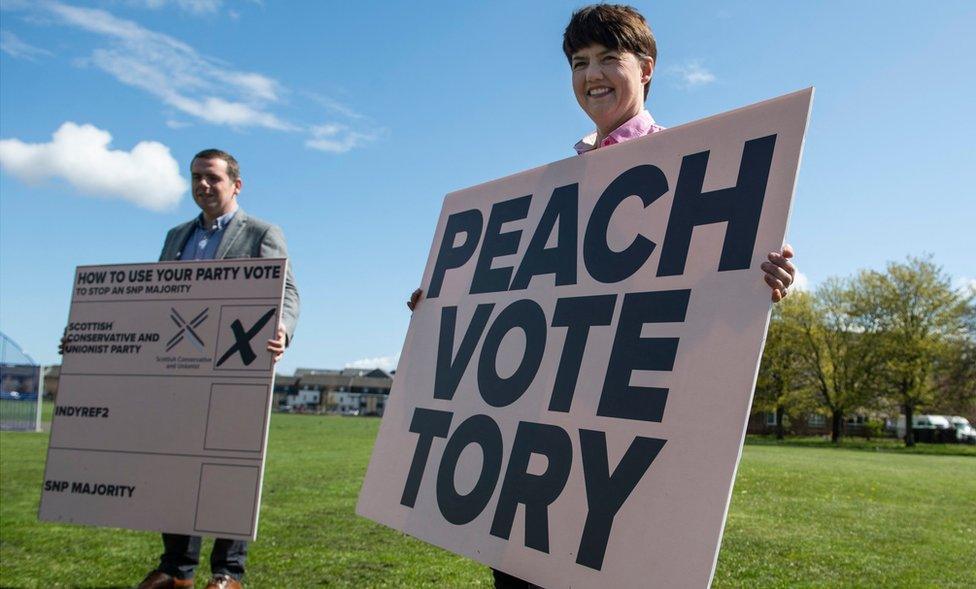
pixel 572 396
pixel 164 399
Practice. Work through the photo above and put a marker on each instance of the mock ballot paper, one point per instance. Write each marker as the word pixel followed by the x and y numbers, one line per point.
pixel 164 399
pixel 572 395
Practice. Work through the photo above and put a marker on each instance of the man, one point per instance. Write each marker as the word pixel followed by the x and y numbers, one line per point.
pixel 612 53
pixel 222 230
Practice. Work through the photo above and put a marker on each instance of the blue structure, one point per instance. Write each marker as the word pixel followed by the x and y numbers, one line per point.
pixel 20 388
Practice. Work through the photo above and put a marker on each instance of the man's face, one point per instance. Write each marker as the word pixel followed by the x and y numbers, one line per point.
pixel 609 85
pixel 213 190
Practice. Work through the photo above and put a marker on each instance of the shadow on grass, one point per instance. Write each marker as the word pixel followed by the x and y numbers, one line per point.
pixel 860 444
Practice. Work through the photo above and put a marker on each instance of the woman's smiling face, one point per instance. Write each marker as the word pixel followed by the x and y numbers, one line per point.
pixel 609 85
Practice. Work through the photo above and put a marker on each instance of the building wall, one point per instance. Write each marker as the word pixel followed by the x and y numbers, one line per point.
pixel 764 423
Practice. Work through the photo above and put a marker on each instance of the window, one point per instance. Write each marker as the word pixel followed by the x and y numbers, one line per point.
pixel 770 418
pixel 817 420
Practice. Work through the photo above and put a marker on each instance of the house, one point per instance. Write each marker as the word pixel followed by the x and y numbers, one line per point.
pixel 283 387
pixel 765 422
pixel 350 391
pixel 305 399
pixel 812 424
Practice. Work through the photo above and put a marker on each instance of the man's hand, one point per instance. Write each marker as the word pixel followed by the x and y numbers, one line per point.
pixel 414 299
pixel 779 272
pixel 277 345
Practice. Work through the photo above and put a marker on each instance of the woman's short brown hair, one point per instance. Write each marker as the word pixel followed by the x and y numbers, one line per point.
pixel 615 26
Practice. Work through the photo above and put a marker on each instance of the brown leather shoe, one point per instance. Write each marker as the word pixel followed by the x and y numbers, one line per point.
pixel 224 582
pixel 161 580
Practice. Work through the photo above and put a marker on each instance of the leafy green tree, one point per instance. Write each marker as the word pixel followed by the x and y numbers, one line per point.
pixel 956 380
pixel 918 320
pixel 781 385
pixel 839 361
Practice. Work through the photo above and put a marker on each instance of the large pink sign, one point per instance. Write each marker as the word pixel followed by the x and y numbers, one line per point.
pixel 573 391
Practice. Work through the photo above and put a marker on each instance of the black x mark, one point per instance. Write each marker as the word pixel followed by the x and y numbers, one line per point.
pixel 242 339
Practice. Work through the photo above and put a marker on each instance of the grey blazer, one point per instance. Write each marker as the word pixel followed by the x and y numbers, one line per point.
pixel 244 237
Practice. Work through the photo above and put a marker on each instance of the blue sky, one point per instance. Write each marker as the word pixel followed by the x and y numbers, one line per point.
pixel 352 120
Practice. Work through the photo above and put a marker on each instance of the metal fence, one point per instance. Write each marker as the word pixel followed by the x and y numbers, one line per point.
pixel 20 388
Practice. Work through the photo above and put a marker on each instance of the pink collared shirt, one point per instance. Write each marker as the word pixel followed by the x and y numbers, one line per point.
pixel 640 125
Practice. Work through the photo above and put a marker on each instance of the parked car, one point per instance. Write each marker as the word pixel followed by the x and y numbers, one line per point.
pixel 923 422
pixel 17 396
pixel 927 428
pixel 964 432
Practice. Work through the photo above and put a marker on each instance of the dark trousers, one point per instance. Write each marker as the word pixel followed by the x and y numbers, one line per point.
pixel 507 581
pixel 181 555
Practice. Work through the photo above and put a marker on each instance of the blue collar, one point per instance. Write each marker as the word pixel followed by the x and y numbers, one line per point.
pixel 219 223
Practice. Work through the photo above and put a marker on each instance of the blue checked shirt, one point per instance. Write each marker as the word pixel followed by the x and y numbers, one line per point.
pixel 202 245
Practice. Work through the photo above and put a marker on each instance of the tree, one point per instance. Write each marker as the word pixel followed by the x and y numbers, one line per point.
pixel 955 381
pixel 917 319
pixel 780 387
pixel 839 360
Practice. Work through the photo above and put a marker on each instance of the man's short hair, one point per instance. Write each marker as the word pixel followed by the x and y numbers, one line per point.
pixel 233 168
pixel 615 26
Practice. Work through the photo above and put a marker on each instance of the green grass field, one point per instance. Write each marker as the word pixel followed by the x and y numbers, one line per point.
pixel 803 514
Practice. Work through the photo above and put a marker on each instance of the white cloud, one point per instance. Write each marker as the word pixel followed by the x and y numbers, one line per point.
pixel 175 124
pixel 202 87
pixel 801 282
pixel 965 285
pixel 692 74
pixel 176 73
pixel 337 138
pixel 97 21
pixel 147 176
pixel 14 46
pixel 257 86
pixel 334 137
pixel 386 363
pixel 192 6
pixel 334 106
